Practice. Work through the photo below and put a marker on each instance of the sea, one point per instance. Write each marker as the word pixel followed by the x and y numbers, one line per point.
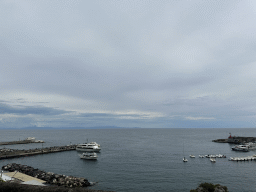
pixel 138 159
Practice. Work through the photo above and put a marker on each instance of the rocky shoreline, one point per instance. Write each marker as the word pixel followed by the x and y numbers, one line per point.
pixel 49 177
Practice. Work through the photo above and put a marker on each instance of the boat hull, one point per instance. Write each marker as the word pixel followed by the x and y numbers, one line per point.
pixel 88 150
pixel 88 156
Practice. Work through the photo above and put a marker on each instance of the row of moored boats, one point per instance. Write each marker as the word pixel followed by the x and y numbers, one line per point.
pixel 249 158
pixel 212 157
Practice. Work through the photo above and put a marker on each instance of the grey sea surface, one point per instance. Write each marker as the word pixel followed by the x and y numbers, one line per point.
pixel 142 159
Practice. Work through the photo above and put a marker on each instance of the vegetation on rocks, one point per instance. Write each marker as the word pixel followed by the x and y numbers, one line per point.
pixel 209 187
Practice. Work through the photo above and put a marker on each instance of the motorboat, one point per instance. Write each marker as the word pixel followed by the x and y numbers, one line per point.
pixel 88 147
pixel 201 156
pixel 192 156
pixel 210 156
pixel 185 160
pixel 213 160
pixel 89 156
pixel 221 156
pixel 244 148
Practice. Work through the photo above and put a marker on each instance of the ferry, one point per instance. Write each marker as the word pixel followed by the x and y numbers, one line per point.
pixel 88 147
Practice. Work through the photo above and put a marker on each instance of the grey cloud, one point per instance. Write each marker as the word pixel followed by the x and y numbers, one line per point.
pixel 177 58
pixel 29 110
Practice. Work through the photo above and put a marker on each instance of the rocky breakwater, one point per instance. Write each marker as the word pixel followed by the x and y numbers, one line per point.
pixel 49 177
pixel 236 140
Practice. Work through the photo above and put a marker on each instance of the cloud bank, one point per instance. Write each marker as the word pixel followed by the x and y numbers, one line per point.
pixel 146 64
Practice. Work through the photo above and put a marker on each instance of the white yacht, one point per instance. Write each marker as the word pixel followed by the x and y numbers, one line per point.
pixel 89 156
pixel 94 143
pixel 192 156
pixel 244 148
pixel 185 160
pixel 88 147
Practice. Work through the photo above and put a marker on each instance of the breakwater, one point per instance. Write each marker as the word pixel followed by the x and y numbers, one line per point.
pixel 17 142
pixel 15 153
pixel 49 177
pixel 26 141
pixel 236 139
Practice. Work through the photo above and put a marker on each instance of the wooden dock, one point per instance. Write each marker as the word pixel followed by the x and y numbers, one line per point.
pixel 15 153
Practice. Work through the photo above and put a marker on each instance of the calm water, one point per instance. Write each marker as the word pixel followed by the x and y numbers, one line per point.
pixel 142 159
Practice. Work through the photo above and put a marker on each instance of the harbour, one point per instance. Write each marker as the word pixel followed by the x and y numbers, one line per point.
pixel 142 159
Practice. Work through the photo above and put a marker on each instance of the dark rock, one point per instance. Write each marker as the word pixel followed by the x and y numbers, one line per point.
pixel 51 178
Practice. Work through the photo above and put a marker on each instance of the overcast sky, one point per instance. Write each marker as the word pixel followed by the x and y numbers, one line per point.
pixel 130 63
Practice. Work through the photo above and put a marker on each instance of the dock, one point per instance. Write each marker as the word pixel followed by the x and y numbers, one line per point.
pixel 15 153
pixel 26 141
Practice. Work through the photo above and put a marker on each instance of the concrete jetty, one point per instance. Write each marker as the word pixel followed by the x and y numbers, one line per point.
pixel 26 141
pixel 16 153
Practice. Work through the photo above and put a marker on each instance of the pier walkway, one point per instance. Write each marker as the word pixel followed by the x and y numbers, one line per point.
pixel 26 141
pixel 15 153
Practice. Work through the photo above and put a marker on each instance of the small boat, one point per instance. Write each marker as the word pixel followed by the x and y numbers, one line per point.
pixel 90 156
pixel 191 156
pixel 201 156
pixel 244 148
pixel 185 160
pixel 213 160
pixel 88 147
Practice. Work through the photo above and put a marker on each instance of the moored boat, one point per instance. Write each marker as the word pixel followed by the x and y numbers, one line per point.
pixel 213 160
pixel 244 148
pixel 89 156
pixel 88 147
